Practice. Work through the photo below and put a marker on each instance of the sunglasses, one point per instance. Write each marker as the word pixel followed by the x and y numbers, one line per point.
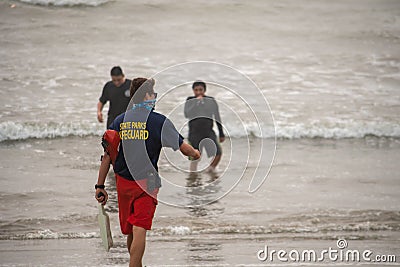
pixel 155 94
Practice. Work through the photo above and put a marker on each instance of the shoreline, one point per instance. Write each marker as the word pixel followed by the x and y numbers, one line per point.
pixel 192 252
pixel 317 191
pixel 366 138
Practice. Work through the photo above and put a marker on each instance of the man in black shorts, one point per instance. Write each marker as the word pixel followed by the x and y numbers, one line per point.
pixel 202 110
pixel 117 92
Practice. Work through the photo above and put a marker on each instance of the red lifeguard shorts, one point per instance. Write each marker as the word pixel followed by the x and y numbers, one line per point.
pixel 136 207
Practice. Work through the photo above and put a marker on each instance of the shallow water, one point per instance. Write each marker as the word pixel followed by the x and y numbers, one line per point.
pixel 318 190
pixel 327 69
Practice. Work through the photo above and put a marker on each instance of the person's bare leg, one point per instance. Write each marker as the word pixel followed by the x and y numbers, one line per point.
pixel 129 239
pixel 215 161
pixel 137 247
pixel 193 165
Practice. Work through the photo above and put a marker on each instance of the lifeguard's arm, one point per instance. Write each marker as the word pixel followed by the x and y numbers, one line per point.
pixel 104 168
pixel 189 151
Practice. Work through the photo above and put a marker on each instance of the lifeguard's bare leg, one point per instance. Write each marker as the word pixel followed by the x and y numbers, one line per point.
pixel 137 246
pixel 129 239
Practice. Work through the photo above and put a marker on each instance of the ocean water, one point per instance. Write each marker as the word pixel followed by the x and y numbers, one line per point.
pixel 328 70
pixel 322 76
pixel 66 3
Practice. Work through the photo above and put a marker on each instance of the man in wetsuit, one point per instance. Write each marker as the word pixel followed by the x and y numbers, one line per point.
pixel 117 92
pixel 202 110
pixel 143 133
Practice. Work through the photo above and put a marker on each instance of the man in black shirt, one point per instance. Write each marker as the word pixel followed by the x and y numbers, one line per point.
pixel 202 110
pixel 117 92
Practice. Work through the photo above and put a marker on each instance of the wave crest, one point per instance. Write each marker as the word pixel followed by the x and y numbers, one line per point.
pixel 10 130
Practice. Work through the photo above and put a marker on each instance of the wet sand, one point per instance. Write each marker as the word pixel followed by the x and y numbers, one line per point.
pixel 318 191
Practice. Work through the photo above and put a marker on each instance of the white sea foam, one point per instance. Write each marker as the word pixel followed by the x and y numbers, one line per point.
pixel 10 130
pixel 315 222
pixel 350 129
pixel 65 2
pixel 49 234
pixel 179 230
pixel 343 129
pixel 221 230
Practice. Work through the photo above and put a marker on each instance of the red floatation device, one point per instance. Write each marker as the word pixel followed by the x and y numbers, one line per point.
pixel 110 143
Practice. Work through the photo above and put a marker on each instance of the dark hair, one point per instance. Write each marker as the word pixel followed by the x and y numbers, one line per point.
pixel 139 88
pixel 199 83
pixel 116 71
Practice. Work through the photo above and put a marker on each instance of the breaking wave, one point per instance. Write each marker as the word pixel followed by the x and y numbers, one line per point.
pixel 10 130
pixel 19 131
pixel 318 223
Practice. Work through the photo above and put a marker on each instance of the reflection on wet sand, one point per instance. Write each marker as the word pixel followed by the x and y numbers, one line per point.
pixel 204 251
pixel 200 192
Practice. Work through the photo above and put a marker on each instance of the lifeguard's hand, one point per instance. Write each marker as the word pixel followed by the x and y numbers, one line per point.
pixel 101 196
pixel 100 116
pixel 196 154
